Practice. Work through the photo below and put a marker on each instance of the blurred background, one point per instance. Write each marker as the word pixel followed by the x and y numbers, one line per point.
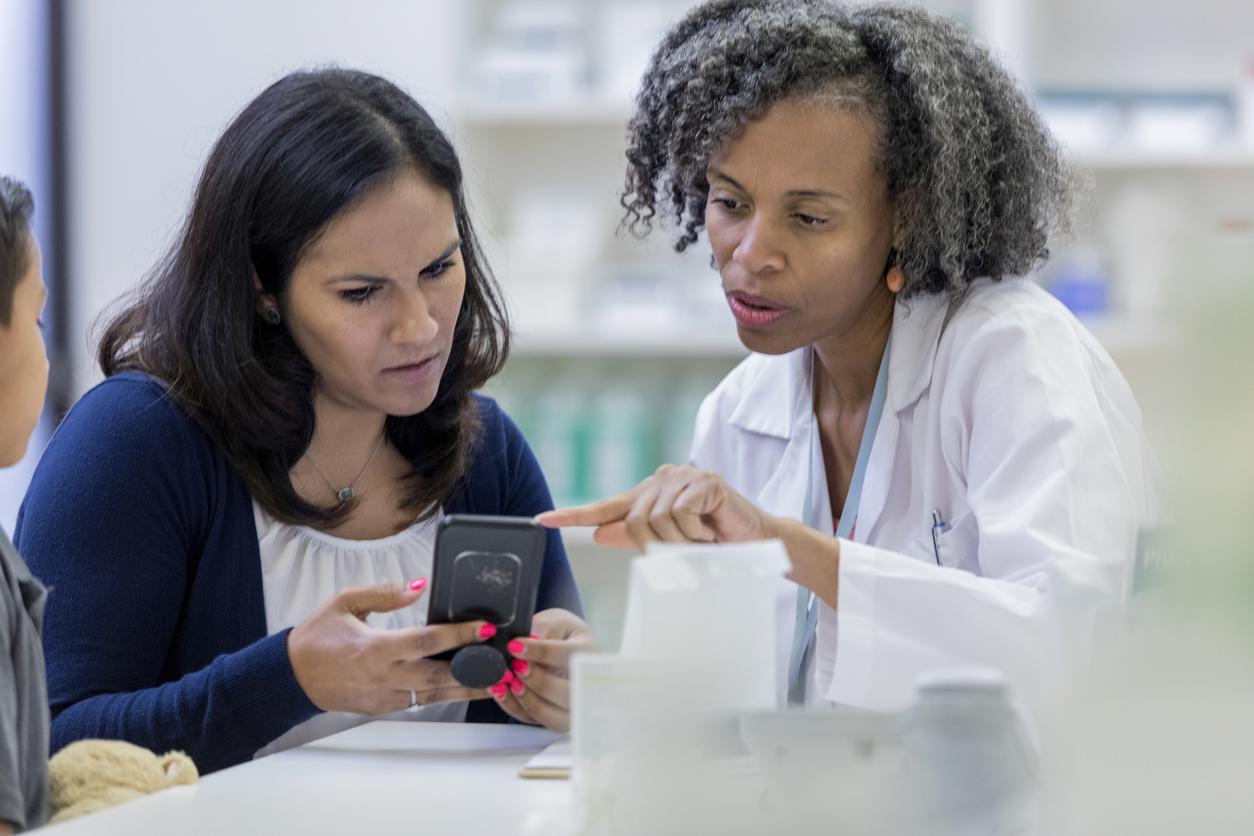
pixel 109 108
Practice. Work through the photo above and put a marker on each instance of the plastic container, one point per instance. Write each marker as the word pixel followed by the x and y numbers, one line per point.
pixel 559 437
pixel 621 436
pixel 680 414
pixel 974 763
pixel 1080 282
pixel 1245 105
pixel 832 771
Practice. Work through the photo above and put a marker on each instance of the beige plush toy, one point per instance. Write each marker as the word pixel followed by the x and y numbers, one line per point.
pixel 91 775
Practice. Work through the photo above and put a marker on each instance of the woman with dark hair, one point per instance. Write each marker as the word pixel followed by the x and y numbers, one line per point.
pixel 287 413
pixel 954 464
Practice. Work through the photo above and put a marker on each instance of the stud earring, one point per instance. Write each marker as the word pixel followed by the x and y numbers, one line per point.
pixel 896 279
pixel 272 315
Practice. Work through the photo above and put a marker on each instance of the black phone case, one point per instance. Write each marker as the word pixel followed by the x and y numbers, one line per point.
pixel 487 568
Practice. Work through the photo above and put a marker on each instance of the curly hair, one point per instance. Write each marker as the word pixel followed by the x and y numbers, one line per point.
pixel 977 183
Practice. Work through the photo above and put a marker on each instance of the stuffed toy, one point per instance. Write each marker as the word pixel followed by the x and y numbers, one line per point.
pixel 90 775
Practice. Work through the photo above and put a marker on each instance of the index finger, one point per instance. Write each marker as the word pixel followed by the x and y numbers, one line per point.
pixel 595 513
pixel 421 642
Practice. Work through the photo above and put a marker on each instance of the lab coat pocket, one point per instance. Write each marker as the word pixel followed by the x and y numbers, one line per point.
pixel 959 543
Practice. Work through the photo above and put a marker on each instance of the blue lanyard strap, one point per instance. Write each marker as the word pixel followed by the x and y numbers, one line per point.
pixel 807 607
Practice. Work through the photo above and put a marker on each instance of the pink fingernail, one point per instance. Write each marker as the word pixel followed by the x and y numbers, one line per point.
pixel 487 631
pixel 520 666
pixel 498 690
pixel 534 636
pixel 515 647
pixel 418 585
pixel 516 687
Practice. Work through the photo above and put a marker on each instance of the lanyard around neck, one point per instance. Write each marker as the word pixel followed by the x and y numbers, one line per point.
pixel 807 609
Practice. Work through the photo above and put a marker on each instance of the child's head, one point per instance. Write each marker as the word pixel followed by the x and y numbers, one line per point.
pixel 23 361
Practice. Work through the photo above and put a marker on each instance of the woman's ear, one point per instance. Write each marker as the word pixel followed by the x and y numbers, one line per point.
pixel 265 301
pixel 267 304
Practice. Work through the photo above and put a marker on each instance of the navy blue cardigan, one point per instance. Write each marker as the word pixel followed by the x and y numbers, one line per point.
pixel 155 630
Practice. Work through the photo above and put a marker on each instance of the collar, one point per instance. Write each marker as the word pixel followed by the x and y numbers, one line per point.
pixel 777 400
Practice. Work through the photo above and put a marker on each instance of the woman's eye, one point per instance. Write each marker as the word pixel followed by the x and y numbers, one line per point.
pixel 437 270
pixel 726 202
pixel 359 295
pixel 809 220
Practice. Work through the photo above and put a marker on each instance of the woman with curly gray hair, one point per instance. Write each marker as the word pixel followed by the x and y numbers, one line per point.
pixel 952 461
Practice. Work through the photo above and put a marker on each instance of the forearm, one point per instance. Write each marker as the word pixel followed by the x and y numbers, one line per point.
pixel 219 715
pixel 815 557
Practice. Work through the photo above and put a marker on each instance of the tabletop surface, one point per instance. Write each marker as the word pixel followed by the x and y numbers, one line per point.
pixel 383 777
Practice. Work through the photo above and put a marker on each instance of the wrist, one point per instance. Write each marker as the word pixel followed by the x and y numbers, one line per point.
pixel 815 558
pixel 773 527
pixel 296 659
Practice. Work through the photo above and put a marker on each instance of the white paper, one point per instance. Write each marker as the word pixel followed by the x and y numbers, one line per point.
pixel 555 761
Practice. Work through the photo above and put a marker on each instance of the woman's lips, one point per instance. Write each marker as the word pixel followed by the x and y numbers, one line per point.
pixel 413 373
pixel 754 311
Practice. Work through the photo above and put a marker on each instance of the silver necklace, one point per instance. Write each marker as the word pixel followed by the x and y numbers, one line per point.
pixel 349 491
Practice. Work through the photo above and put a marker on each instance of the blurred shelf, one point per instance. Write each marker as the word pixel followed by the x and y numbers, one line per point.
pixel 1222 159
pixel 1119 334
pixel 611 342
pixel 539 113
pixel 614 112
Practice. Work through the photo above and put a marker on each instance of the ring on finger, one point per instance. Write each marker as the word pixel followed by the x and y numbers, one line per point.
pixel 413 700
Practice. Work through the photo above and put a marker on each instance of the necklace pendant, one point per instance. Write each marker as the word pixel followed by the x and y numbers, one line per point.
pixel 345 494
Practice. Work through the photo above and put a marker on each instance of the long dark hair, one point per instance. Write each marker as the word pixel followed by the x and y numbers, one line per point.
pixel 306 149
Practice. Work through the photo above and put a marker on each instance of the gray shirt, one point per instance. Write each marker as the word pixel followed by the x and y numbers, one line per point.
pixel 23 695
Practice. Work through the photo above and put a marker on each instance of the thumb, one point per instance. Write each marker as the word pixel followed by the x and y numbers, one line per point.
pixel 361 600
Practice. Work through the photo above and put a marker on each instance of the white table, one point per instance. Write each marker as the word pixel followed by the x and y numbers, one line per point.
pixel 384 777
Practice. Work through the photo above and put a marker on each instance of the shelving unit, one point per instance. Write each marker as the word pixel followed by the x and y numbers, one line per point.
pixel 1223 159
pixel 593 343
pixel 596 110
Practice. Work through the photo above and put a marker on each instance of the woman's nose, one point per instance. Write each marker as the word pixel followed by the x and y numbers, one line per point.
pixel 758 249
pixel 413 322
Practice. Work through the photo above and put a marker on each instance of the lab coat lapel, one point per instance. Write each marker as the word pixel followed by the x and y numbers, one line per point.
pixel 916 333
pixel 782 406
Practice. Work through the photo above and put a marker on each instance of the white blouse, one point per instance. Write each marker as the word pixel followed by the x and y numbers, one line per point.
pixel 302 568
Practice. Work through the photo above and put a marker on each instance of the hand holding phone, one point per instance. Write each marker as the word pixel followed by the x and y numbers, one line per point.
pixel 486 568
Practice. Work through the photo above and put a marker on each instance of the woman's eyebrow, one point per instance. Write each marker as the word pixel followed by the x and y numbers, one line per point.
pixel 444 256
pixel 715 174
pixel 366 277
pixel 817 193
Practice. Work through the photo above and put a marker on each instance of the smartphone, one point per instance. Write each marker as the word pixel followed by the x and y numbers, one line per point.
pixel 486 568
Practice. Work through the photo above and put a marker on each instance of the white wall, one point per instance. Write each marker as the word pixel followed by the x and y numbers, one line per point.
pixel 1144 46
pixel 152 84
pixel 24 154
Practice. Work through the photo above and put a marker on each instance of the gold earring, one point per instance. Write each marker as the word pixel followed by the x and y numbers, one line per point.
pixel 896 279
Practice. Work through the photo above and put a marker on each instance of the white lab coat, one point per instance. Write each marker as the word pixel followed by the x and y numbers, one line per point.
pixel 1006 416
